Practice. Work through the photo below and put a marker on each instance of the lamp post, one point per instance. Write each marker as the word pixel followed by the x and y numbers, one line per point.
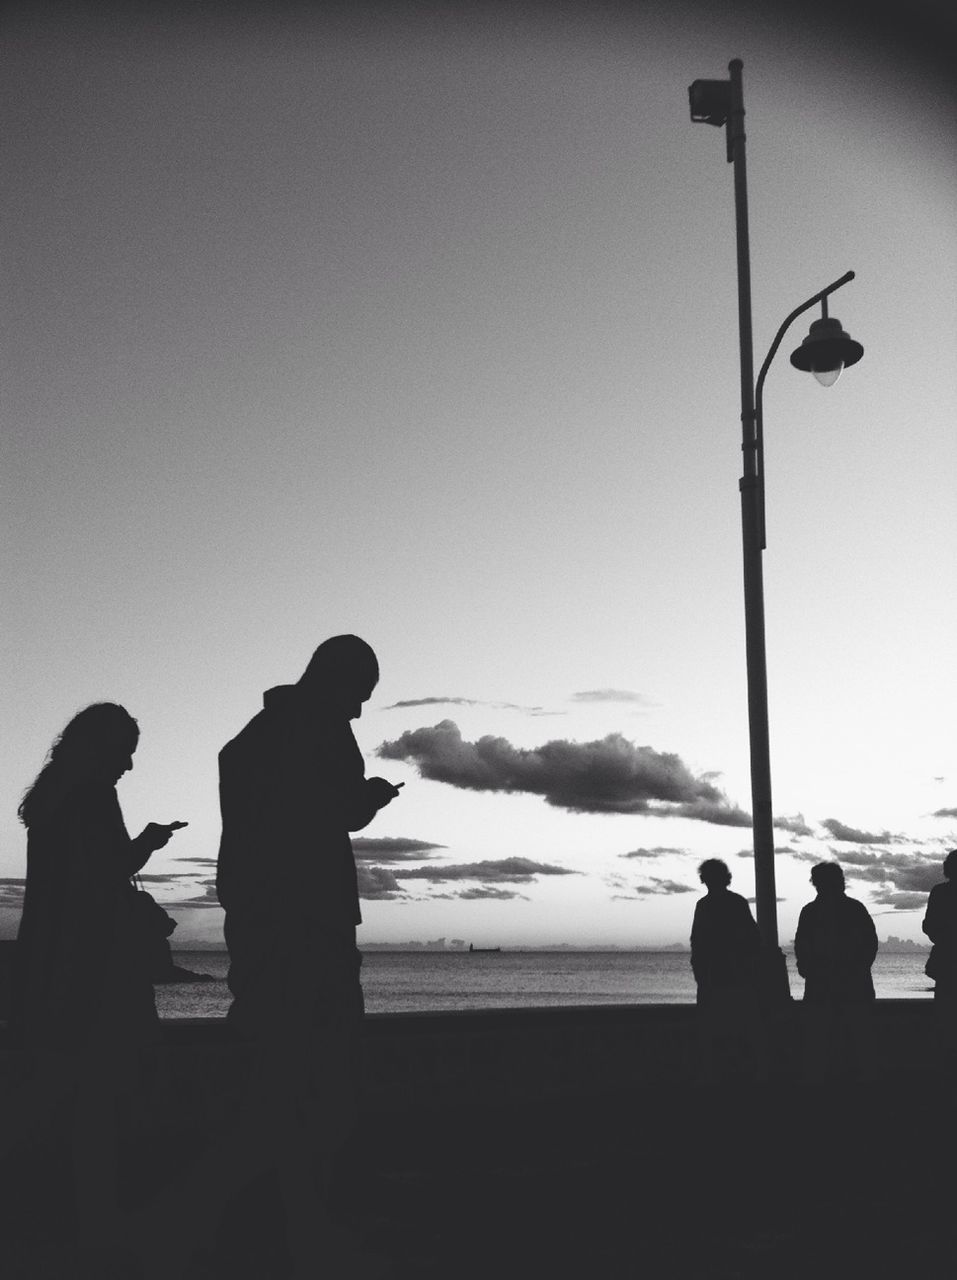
pixel 825 352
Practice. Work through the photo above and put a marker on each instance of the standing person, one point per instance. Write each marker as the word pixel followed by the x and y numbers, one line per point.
pixel 83 996
pixel 834 948
pixel 725 957
pixel 940 925
pixel 292 787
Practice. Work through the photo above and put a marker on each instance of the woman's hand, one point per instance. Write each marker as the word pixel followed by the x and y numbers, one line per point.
pixel 157 834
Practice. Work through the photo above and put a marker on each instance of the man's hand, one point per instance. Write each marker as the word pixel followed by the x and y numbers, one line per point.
pixel 157 834
pixel 382 791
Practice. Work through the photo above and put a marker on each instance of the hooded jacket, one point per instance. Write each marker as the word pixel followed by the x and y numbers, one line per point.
pixel 292 786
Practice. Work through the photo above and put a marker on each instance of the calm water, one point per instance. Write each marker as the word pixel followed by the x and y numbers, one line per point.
pixel 423 981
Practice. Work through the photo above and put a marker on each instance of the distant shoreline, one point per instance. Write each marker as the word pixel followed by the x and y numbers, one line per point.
pixel 891 947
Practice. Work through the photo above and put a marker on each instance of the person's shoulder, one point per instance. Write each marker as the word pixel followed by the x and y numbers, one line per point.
pixel 855 906
pixel 265 721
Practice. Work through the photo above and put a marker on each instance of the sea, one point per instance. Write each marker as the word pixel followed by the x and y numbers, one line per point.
pixel 432 981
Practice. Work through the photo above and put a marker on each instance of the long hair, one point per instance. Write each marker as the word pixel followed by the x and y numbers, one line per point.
pixel 90 734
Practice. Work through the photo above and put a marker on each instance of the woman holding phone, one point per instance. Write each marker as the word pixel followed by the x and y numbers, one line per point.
pixel 83 998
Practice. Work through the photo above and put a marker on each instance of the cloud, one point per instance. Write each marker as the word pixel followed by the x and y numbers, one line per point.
pixel 796 826
pixel 840 831
pixel 944 813
pixel 903 872
pixel 200 862
pixel 802 856
pixel 901 900
pixel 391 848
pixel 488 891
pixel 166 877
pixel 783 848
pixel 613 695
pixel 431 702
pixel 915 876
pixel 659 851
pixel 496 870
pixel 720 812
pixel 659 885
pixel 377 883
pixel 469 702
pixel 655 886
pixel 610 775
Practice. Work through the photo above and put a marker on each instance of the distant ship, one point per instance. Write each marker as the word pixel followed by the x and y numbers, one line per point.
pixel 481 950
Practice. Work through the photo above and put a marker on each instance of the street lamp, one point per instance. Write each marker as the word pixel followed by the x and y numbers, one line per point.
pixel 825 352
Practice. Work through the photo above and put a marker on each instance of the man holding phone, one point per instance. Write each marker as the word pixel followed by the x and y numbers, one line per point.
pixel 292 787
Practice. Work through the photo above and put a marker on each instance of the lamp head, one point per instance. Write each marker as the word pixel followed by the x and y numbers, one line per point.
pixel 710 101
pixel 826 351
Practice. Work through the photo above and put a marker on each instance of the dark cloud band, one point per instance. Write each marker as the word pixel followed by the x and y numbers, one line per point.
pixel 391 849
pixel 494 870
pixel 841 831
pixel 610 775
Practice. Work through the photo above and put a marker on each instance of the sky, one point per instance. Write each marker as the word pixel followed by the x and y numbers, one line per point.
pixel 420 322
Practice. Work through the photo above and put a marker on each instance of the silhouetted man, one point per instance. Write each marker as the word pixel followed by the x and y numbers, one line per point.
pixel 725 957
pixel 834 948
pixel 292 787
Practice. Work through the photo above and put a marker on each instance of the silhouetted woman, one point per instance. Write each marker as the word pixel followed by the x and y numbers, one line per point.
pixel 83 999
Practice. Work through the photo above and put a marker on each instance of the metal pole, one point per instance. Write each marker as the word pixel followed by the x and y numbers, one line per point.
pixel 751 486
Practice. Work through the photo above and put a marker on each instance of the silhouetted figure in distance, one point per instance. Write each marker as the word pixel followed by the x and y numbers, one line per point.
pixel 83 997
pixel 292 787
pixel 940 925
pixel 725 959
pixel 834 947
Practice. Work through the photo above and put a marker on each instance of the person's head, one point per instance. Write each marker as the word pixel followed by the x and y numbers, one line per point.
pixel 714 874
pixel 343 671
pixel 827 878
pixel 950 865
pixel 96 746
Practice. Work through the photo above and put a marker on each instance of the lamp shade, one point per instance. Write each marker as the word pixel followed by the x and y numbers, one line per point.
pixel 826 349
